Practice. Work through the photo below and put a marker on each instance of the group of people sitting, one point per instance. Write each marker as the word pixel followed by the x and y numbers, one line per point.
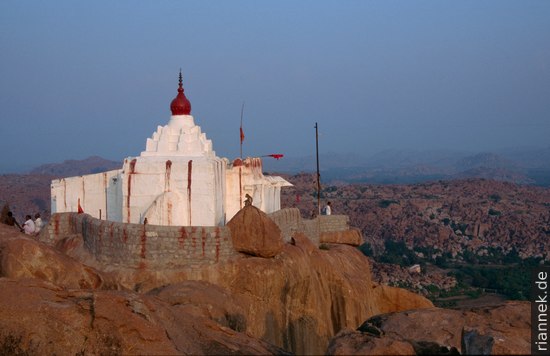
pixel 29 227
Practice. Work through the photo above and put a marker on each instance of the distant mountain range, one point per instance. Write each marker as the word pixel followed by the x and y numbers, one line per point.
pixel 524 166
pixel 70 168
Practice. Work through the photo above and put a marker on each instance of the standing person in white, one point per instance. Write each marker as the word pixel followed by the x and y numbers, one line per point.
pixel 38 223
pixel 327 210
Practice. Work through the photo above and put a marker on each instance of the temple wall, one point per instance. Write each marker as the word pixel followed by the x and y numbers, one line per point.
pixel 138 245
pixel 155 246
pixel 99 194
pixel 181 191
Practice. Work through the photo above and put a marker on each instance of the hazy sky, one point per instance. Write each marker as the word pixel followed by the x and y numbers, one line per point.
pixel 82 78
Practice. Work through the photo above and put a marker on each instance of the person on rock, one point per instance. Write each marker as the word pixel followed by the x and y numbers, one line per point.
pixel 10 220
pixel 28 226
pixel 38 224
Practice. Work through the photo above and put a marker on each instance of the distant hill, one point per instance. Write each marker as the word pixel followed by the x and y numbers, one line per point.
pixel 26 194
pixel 70 168
pixel 30 193
pixel 523 166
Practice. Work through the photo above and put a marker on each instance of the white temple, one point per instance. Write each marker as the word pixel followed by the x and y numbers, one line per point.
pixel 177 180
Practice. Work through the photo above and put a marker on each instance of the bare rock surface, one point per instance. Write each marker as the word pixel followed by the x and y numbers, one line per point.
pixel 24 257
pixel 303 296
pixel 392 299
pixel 351 342
pixel 41 318
pixel 255 233
pixel 204 299
pixel 509 326
pixel 349 237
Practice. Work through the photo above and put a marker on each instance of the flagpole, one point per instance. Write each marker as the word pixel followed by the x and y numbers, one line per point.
pixel 241 131
pixel 241 139
pixel 318 174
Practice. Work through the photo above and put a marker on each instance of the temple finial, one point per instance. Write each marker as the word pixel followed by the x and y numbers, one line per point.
pixel 180 105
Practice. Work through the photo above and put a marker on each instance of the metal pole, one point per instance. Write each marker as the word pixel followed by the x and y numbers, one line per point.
pixel 318 174
pixel 241 131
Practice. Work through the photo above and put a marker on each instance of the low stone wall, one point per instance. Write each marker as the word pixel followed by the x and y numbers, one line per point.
pixel 138 246
pixel 333 223
pixel 290 220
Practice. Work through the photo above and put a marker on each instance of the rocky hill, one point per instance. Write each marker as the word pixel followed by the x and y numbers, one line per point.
pixel 26 194
pixel 70 168
pixel 293 302
pixel 459 217
pixel 296 301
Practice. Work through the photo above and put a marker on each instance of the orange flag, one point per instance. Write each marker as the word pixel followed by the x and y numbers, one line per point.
pixel 242 134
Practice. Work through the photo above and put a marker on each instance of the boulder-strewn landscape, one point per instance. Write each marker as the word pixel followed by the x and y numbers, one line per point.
pixel 277 297
pixel 474 215
pixel 294 302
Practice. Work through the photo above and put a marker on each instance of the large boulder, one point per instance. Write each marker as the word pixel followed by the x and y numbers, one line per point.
pixel 390 299
pixel 254 233
pixel 23 257
pixel 503 330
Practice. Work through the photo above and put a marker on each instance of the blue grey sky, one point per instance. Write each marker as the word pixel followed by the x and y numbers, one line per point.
pixel 82 78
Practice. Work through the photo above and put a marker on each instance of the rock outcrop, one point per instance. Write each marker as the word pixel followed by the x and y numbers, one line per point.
pixel 392 299
pixel 254 233
pixel 295 301
pixel 41 318
pixel 506 329
pixel 22 257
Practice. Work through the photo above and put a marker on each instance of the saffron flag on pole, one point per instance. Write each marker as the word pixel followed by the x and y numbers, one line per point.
pixel 277 156
pixel 242 134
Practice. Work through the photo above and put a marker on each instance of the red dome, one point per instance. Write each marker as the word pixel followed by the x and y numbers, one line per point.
pixel 180 105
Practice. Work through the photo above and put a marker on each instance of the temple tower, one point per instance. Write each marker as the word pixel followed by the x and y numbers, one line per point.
pixel 177 180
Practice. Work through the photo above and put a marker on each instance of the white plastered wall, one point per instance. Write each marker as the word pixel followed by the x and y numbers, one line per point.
pixel 166 194
pixel 98 193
